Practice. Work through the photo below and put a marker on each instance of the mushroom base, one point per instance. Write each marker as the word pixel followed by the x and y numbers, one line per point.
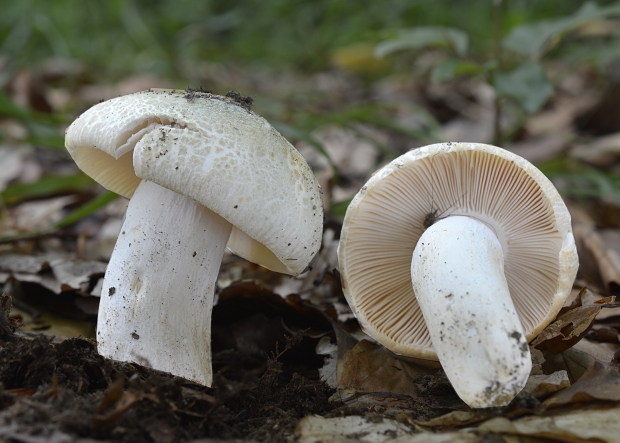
pixel 158 289
pixel 457 273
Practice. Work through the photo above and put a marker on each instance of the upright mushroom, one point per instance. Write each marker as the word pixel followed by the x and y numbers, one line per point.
pixel 203 172
pixel 462 253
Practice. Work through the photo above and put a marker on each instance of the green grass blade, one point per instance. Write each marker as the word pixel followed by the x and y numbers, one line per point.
pixel 45 187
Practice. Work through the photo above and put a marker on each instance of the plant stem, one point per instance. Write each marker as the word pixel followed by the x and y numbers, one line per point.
pixel 497 50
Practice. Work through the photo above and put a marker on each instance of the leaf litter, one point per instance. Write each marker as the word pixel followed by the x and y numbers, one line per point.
pixel 290 360
pixel 61 390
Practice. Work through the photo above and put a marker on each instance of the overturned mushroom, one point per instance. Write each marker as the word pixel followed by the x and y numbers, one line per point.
pixel 203 172
pixel 462 253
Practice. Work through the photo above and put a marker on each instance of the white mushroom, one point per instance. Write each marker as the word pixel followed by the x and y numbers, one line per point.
pixel 203 172
pixel 460 253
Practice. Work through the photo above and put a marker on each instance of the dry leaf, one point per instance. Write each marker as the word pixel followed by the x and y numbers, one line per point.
pixel 572 322
pixel 12 161
pixel 314 428
pixel 15 432
pixel 602 352
pixel 596 260
pixel 368 373
pixel 578 426
pixel 354 429
pixel 538 149
pixel 368 368
pixel 19 263
pixel 607 263
pixel 558 119
pixel 56 274
pixel 352 154
pixel 600 382
pixel 455 419
pixel 601 151
pixel 329 369
pixel 541 386
pixel 77 274
pixel 576 362
pixel 38 214
pixel 538 359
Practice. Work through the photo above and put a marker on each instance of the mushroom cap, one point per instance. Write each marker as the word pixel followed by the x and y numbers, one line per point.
pixel 386 218
pixel 215 151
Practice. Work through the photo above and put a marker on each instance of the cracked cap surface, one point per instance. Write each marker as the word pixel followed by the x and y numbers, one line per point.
pixel 210 149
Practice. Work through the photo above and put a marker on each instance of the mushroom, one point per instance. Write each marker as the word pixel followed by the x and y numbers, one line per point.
pixel 462 253
pixel 203 172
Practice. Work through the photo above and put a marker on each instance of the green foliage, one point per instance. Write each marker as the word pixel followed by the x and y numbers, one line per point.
pixel 522 79
pixel 575 179
pixel 86 209
pixel 45 187
pixel 535 39
pixel 10 109
pixel 423 37
pixel 598 53
pixel 452 67
pixel 178 39
pixel 163 37
pixel 340 209
pixel 42 128
pixel 516 71
pixel 528 85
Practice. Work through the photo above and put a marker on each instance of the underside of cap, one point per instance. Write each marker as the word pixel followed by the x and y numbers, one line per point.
pixel 387 217
pixel 215 151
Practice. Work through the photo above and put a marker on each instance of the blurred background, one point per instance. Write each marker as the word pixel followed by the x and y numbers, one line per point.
pixel 351 84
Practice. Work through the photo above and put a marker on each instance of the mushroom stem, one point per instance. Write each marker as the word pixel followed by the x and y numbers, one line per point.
pixel 457 273
pixel 158 289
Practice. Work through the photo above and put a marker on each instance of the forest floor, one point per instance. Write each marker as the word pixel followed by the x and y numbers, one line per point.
pixel 289 359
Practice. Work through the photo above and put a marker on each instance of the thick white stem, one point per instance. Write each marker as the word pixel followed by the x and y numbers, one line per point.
pixel 458 277
pixel 158 289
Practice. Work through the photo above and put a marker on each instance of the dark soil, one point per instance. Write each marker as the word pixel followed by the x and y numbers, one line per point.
pixel 65 391
pixel 266 379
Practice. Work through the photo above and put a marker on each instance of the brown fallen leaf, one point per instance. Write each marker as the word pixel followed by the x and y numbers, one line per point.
pixel 600 382
pixel 584 354
pixel 77 274
pixel 604 334
pixel 12 161
pixel 53 273
pixel 597 262
pixel 20 263
pixel 541 386
pixel 595 425
pixel 357 429
pixel 368 368
pixel 455 419
pixel 572 322
pixel 367 373
pixel 33 215
pixel 606 260
pixel 313 428
pixel 541 148
pixel 601 151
